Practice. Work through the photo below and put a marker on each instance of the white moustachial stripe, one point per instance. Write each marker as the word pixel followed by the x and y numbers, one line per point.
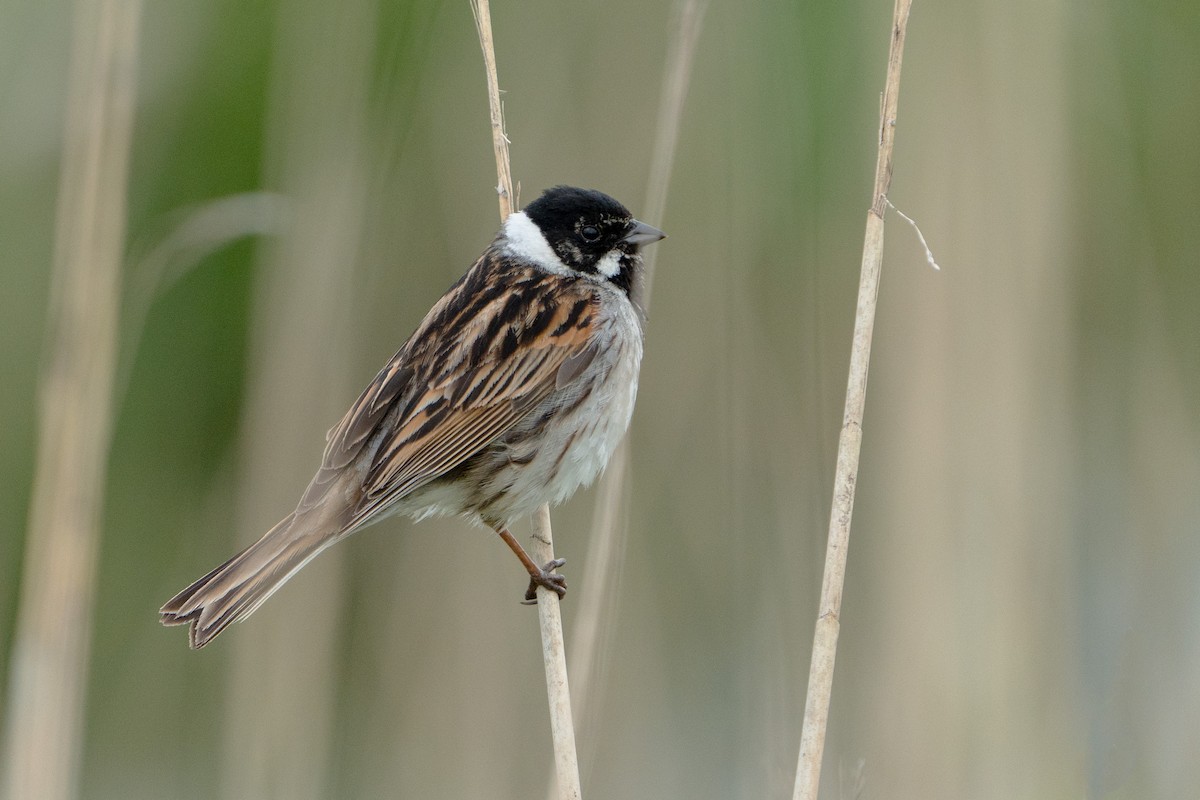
pixel 610 265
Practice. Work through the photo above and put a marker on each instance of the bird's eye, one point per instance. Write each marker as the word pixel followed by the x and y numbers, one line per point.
pixel 590 233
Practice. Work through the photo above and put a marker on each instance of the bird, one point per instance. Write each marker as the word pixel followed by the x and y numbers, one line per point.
pixel 512 392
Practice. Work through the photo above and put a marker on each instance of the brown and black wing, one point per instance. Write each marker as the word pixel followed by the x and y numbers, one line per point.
pixel 491 350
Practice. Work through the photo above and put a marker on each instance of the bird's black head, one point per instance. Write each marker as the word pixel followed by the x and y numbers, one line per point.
pixel 592 233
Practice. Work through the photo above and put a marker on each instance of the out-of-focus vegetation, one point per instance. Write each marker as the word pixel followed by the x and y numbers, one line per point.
pixel 1022 613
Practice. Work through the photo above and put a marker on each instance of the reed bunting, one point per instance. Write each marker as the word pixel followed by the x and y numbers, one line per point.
pixel 513 392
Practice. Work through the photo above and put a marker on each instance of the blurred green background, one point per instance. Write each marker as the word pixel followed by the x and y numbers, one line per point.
pixel 1022 611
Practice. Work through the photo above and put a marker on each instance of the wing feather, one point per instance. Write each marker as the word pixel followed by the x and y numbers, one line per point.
pixel 477 365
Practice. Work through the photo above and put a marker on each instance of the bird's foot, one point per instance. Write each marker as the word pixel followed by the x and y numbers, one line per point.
pixel 546 577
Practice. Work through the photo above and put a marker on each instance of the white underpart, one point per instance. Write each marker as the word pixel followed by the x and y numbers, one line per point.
pixel 591 433
pixel 524 240
pixel 610 265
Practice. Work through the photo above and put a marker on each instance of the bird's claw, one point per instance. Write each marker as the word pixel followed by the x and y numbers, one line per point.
pixel 548 578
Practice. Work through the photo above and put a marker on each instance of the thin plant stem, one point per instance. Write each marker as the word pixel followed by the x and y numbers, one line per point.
pixel 504 181
pixel 820 677
pixel 688 19
pixel 562 727
pixel 44 726
pixel 606 548
pixel 302 334
pixel 554 658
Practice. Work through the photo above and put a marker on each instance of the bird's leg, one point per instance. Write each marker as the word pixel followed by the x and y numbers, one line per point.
pixel 538 576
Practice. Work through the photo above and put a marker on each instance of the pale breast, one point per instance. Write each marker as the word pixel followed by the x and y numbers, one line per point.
pixel 565 442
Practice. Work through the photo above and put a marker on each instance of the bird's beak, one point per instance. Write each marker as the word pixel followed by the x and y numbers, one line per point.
pixel 641 233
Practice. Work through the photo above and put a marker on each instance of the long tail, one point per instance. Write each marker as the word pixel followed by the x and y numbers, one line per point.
pixel 233 591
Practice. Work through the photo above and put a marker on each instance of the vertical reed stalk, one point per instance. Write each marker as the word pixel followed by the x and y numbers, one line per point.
pixel 504 181
pixel 820 677
pixel 280 701
pixel 44 726
pixel 562 727
pixel 606 546
pixel 688 21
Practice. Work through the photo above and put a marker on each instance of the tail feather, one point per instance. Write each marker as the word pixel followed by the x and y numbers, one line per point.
pixel 233 591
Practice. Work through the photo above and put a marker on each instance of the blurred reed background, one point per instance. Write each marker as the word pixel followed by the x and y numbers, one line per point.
pixel 1022 613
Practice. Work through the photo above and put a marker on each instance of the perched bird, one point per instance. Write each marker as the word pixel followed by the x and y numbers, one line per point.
pixel 513 392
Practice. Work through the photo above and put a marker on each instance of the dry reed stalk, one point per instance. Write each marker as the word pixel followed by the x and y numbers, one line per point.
pixel 554 658
pixel 504 181
pixel 280 697
pixel 688 18
pixel 44 726
pixel 606 548
pixel 562 728
pixel 820 677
